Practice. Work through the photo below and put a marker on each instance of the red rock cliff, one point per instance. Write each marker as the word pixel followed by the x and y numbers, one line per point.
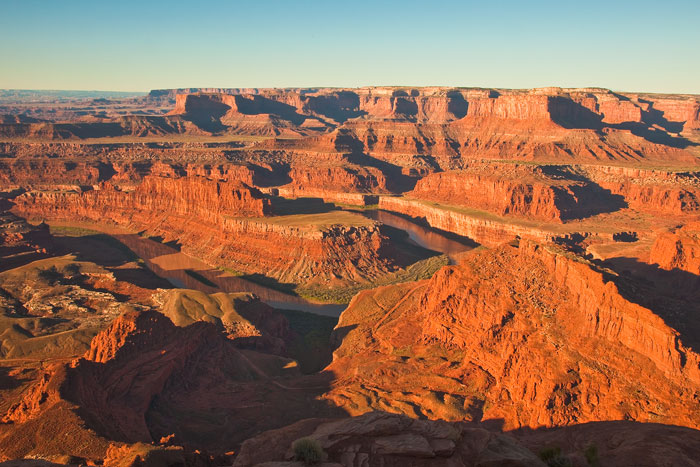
pixel 522 334
pixel 679 249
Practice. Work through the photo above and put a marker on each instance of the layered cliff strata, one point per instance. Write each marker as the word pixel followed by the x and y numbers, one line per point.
pixel 547 193
pixel 647 190
pixel 464 345
pixel 225 224
pixel 678 249
pixel 74 170
pixel 479 226
pixel 422 128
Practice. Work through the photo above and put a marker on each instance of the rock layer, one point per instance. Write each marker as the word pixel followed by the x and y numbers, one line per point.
pixel 464 345
pixel 223 223
pixel 679 250
pixel 544 193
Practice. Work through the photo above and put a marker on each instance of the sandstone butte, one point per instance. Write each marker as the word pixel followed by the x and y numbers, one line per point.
pixel 573 325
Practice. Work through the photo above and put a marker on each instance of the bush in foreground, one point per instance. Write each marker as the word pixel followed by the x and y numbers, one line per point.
pixel 308 450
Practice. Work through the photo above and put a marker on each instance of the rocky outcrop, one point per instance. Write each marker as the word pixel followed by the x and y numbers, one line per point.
pixel 21 242
pixel 647 190
pixel 246 320
pixel 391 440
pixel 535 192
pixel 328 196
pixel 679 249
pixel 463 345
pixel 131 386
pixel 340 179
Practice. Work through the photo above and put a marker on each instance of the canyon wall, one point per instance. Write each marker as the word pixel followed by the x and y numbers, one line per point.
pixel 209 200
pixel 522 334
pixel 516 190
pixel 227 224
pixel 647 190
pixel 477 226
pixel 419 127
pixel 73 170
pixel 678 249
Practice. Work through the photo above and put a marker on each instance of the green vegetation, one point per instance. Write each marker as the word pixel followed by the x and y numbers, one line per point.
pixel 423 269
pixel 320 221
pixel 308 451
pixel 197 276
pixel 553 457
pixel 71 231
pixel 591 455
pixel 233 272
pixel 311 349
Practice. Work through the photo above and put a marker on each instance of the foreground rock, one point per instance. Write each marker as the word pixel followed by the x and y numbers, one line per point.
pixel 522 335
pixel 391 440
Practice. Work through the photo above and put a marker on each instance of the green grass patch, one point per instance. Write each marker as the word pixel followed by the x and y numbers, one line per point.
pixel 419 270
pixel 71 231
pixel 231 271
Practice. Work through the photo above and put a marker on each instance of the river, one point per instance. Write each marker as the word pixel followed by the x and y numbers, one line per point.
pixel 173 265
pixel 425 237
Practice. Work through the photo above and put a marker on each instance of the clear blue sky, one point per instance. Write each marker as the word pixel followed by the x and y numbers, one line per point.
pixel 131 45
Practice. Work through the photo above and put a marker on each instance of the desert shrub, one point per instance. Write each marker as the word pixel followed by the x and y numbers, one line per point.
pixel 591 455
pixel 553 457
pixel 308 450
pixel 50 275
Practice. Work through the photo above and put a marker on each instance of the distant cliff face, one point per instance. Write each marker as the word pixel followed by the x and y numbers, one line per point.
pixel 550 194
pixel 575 107
pixel 200 197
pixel 679 249
pixel 397 124
pixel 519 334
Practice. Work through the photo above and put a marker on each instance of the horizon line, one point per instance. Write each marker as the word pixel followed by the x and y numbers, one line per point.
pixel 347 87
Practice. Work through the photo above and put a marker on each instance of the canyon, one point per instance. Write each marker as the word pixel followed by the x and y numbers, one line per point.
pixel 391 275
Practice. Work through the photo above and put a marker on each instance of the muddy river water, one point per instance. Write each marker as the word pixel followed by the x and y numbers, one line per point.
pixel 175 266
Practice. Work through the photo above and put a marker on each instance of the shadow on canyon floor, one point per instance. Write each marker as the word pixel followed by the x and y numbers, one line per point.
pixel 8 381
pixel 106 251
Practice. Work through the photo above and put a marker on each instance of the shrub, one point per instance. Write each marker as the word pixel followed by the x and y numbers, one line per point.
pixel 591 454
pixel 308 450
pixel 553 457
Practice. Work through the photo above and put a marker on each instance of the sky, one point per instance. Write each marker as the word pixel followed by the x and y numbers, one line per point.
pixel 129 45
